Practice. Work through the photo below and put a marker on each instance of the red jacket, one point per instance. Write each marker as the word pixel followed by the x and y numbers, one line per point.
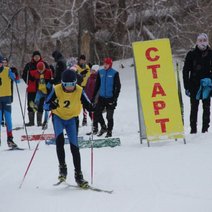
pixel 31 83
pixel 35 74
pixel 89 89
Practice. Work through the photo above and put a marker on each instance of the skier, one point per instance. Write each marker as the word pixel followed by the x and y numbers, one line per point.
pixel 84 70
pixel 65 102
pixel 43 78
pixel 196 71
pixel 31 84
pixel 6 75
pixel 108 85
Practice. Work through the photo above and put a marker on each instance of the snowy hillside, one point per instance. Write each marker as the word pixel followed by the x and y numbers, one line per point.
pixel 167 177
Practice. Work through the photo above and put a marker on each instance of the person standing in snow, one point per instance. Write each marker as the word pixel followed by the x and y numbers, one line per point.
pixel 6 75
pixel 108 85
pixel 89 90
pixel 197 76
pixel 43 78
pixel 84 70
pixel 65 102
pixel 31 85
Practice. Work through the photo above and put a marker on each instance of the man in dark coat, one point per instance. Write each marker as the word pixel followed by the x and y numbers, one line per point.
pixel 31 86
pixel 60 66
pixel 198 69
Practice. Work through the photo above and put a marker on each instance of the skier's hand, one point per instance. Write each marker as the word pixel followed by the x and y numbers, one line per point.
pixel 187 93
pixel 83 73
pixel 54 105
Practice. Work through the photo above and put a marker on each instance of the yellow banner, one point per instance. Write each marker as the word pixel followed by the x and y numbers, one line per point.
pixel 158 89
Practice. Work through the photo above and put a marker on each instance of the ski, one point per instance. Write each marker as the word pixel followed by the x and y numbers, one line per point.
pixel 88 188
pixel 15 148
pixel 18 128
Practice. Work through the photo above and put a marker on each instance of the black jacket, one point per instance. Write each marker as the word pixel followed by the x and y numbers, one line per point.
pixel 60 66
pixel 197 66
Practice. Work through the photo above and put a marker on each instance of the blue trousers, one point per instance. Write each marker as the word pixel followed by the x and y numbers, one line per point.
pixel 5 108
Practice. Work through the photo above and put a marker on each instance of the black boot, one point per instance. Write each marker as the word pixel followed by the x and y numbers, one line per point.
pixel 109 134
pixel 39 119
pixel 11 143
pixel 80 180
pixel 102 131
pixel 204 129
pixel 31 119
pixel 62 172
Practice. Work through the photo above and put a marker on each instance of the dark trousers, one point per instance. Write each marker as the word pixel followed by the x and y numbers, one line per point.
pixel 194 113
pixel 98 117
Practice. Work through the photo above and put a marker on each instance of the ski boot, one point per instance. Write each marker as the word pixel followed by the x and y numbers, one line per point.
pixel 80 180
pixel 31 119
pixel 109 134
pixel 102 131
pixel 62 173
pixel 11 143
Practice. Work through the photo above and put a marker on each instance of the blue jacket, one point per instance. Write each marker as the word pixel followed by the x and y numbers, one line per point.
pixel 108 84
pixel 204 89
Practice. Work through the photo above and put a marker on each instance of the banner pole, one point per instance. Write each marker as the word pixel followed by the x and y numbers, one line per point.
pixel 180 95
pixel 138 102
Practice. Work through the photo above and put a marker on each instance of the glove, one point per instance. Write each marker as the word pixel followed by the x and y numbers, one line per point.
pixel 83 73
pixel 50 106
pixel 113 102
pixel 54 105
pixel 187 93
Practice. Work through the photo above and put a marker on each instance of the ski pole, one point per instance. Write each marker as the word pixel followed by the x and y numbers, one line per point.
pixel 22 114
pixel 25 100
pixel 91 139
pixel 33 155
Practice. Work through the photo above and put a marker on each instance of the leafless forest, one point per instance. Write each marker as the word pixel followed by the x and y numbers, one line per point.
pixel 98 28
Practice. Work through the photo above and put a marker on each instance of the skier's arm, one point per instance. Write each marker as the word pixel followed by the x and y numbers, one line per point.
pixel 117 86
pixel 86 102
pixel 186 70
pixel 51 101
pixel 12 76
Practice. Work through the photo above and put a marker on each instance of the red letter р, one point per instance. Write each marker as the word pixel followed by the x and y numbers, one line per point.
pixel 158 105
pixel 148 56
pixel 162 124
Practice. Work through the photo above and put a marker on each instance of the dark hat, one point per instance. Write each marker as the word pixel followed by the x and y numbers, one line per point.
pixel 82 57
pixel 36 53
pixel 5 59
pixel 69 76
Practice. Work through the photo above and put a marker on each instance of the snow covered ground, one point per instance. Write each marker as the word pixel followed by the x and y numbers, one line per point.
pixel 168 177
